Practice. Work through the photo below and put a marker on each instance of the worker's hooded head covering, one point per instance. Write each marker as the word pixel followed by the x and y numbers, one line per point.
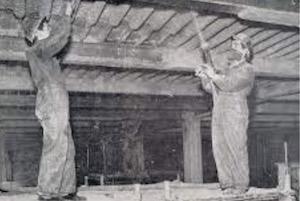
pixel 30 24
pixel 246 42
pixel 36 12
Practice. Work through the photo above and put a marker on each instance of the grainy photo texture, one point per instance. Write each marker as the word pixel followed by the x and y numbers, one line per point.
pixel 149 100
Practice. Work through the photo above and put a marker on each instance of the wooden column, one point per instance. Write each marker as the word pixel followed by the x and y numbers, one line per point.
pixel 192 148
pixel 133 149
pixel 2 159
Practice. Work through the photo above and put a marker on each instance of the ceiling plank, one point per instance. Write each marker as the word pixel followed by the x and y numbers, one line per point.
pixel 281 45
pixel 183 36
pixel 111 17
pixel 217 27
pixel 87 16
pixel 287 50
pixel 155 22
pixel 260 47
pixel 226 34
pixel 264 35
pixel 250 31
pixel 189 30
pixel 292 55
pixel 134 19
pixel 171 28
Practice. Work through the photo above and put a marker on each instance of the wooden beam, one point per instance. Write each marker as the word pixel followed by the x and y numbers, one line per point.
pixel 269 16
pixel 18 78
pixel 277 108
pixel 276 130
pixel 284 68
pixel 292 98
pixel 245 12
pixel 112 102
pixel 85 115
pixel 274 125
pixel 276 89
pixel 126 56
pixel 275 118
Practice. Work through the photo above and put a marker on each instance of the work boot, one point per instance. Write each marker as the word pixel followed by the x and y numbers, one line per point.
pixel 40 198
pixel 74 197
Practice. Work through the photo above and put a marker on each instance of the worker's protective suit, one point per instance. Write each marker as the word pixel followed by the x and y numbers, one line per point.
pixel 57 167
pixel 230 123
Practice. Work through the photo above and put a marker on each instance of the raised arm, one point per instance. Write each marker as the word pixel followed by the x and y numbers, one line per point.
pixel 206 84
pixel 59 37
pixel 235 80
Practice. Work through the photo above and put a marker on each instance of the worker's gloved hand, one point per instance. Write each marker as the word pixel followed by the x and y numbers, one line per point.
pixel 206 70
pixel 199 73
pixel 205 46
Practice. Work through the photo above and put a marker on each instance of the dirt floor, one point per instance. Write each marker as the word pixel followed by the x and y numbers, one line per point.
pixel 178 192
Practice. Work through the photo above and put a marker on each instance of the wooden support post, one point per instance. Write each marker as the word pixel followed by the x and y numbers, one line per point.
pixel 192 148
pixel 2 159
pixel 167 190
pixel 133 149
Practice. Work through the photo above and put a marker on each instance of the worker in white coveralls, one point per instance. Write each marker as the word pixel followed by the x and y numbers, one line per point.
pixel 57 176
pixel 230 89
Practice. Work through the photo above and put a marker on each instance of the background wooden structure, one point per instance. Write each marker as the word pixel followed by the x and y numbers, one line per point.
pixel 136 60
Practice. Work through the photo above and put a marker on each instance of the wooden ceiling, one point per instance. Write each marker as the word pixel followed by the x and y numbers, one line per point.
pixel 149 49
pixel 155 25
pixel 98 22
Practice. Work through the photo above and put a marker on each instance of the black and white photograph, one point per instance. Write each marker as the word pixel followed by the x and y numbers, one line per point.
pixel 149 100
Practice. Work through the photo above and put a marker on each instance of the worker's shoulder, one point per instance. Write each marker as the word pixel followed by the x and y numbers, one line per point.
pixel 249 69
